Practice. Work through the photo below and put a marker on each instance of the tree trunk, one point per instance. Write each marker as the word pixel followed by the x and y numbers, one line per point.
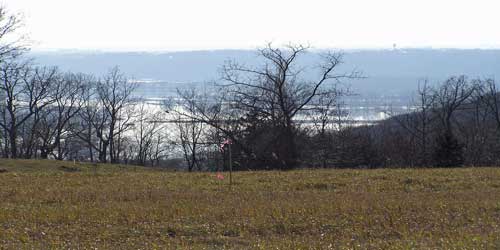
pixel 102 153
pixel 13 144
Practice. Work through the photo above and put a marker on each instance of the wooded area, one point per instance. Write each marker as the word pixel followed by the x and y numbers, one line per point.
pixel 260 109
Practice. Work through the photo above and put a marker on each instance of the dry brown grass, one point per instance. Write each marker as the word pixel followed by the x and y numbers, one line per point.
pixel 49 207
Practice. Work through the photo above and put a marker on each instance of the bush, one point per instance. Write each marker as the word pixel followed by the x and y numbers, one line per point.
pixel 448 152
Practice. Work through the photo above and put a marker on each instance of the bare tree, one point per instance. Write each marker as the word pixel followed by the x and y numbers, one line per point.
pixel 38 95
pixel 67 95
pixel 12 75
pixel 489 96
pixel 278 91
pixel 91 120
pixel 160 148
pixel 188 129
pixel 418 124
pixel 26 93
pixel 450 97
pixel 424 120
pixel 148 136
pixel 106 114
pixel 328 118
pixel 474 128
pixel 114 93
pixel 486 118
pixel 12 43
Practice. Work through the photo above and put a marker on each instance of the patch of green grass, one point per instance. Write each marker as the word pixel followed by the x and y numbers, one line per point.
pixel 45 207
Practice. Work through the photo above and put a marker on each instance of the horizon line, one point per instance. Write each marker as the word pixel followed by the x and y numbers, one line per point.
pixel 350 49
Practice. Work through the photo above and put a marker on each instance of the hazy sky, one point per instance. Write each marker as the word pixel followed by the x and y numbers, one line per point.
pixel 215 24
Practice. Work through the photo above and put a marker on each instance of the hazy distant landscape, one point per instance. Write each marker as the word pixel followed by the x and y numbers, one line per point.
pixel 387 72
pixel 391 76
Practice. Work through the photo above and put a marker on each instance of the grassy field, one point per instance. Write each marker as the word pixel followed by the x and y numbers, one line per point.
pixel 62 205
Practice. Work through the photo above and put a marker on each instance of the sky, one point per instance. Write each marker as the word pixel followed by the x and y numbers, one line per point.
pixel 146 25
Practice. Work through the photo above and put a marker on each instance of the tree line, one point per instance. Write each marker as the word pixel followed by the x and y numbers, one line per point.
pixel 46 113
pixel 454 123
pixel 449 124
pixel 275 115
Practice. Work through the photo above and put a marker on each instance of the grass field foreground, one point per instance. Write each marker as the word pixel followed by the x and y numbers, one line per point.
pixel 62 205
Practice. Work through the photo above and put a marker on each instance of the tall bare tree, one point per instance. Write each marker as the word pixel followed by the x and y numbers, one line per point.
pixel 67 95
pixel 328 118
pixel 488 94
pixel 189 130
pixel 450 97
pixel 38 95
pixel 26 94
pixel 418 124
pixel 90 120
pixel 278 91
pixel 12 78
pixel 106 114
pixel 115 95
pixel 148 134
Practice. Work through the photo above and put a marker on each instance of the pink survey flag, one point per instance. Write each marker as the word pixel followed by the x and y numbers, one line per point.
pixel 219 176
pixel 224 143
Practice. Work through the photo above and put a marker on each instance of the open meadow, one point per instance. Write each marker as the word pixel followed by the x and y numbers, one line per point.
pixel 62 205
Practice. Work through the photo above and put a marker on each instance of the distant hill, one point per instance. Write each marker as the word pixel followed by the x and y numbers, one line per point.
pixel 389 72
